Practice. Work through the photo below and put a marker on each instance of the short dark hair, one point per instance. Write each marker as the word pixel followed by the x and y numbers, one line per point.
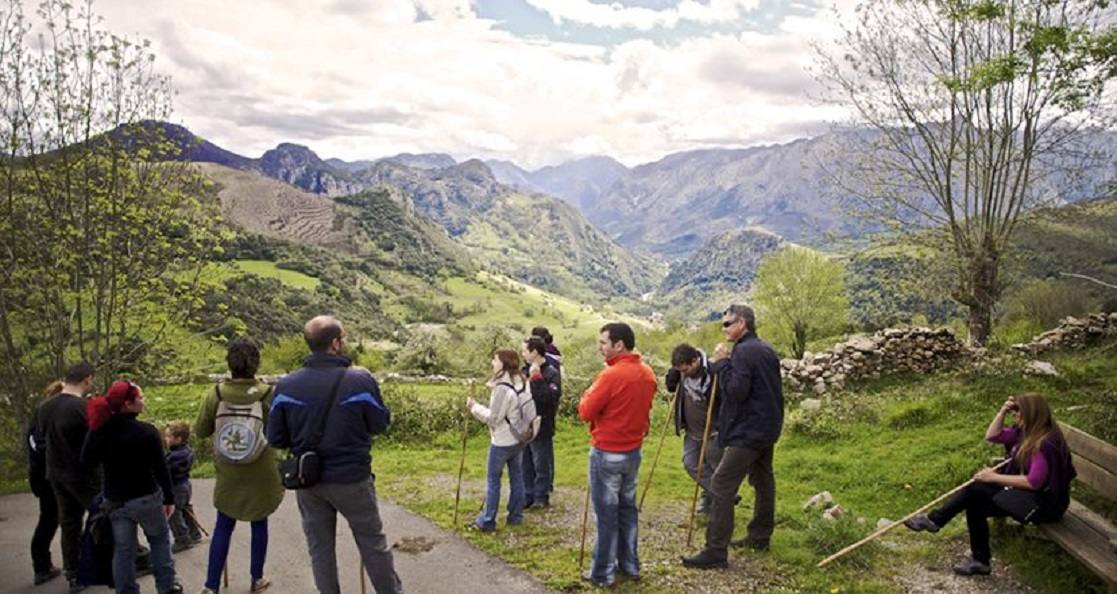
pixel 78 372
pixel 683 354
pixel 535 343
pixel 320 337
pixel 544 333
pixel 243 357
pixel 741 311
pixel 620 332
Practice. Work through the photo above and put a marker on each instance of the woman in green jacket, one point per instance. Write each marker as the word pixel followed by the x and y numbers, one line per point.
pixel 246 492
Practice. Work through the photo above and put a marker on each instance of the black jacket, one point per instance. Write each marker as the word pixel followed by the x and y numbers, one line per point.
pixel 673 381
pixel 180 460
pixel 358 413
pixel 751 391
pixel 546 391
pixel 131 453
pixel 62 426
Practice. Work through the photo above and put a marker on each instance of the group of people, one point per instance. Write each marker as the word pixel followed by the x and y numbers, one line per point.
pixel 94 454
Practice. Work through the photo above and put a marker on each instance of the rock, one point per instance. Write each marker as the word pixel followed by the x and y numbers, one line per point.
pixel 883 522
pixel 833 513
pixel 823 499
pixel 819 387
pixel 811 404
pixel 1042 368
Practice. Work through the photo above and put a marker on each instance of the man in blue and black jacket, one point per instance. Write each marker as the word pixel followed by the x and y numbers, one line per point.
pixel 750 420
pixel 347 484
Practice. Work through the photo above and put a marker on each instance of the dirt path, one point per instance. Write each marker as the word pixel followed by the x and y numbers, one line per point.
pixel 428 559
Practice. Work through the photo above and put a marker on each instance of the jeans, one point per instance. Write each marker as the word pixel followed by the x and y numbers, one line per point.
pixel 45 529
pixel 74 499
pixel 147 513
pixel 499 457
pixel 692 448
pixel 184 529
pixel 613 490
pixel 736 463
pixel 539 468
pixel 984 500
pixel 219 549
pixel 319 506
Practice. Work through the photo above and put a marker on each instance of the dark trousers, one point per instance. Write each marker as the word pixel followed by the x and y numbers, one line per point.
pixel 737 463
pixel 74 499
pixel 182 522
pixel 539 468
pixel 981 501
pixel 45 529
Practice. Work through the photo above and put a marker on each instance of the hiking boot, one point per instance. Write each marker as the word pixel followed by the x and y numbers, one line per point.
pixel 175 589
pixel 260 585
pixel 707 559
pixel 972 566
pixel 76 585
pixel 587 576
pixel 182 545
pixel 920 523
pixel 539 504
pixel 207 591
pixel 756 545
pixel 42 577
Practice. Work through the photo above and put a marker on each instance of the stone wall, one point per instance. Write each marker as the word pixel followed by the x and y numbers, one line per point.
pixel 895 350
pixel 1073 333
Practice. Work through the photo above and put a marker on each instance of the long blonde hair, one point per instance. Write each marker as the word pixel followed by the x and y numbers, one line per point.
pixel 1036 425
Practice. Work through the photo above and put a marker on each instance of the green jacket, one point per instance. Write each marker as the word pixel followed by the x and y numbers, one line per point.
pixel 244 492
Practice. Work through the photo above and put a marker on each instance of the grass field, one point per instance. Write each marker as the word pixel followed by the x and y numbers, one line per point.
pixel 268 269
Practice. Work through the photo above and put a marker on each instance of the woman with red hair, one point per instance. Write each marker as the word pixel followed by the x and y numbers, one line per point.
pixel 137 484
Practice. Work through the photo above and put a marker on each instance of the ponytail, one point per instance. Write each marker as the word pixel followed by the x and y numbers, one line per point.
pixel 102 408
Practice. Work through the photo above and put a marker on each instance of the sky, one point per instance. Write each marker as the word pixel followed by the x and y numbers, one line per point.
pixel 536 82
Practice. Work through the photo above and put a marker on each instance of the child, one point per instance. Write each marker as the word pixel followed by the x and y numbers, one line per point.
pixel 180 459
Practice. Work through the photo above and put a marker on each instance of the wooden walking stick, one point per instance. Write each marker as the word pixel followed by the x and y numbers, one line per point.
pixel 226 573
pixel 881 531
pixel 189 515
pixel 659 448
pixel 461 465
pixel 702 460
pixel 364 588
pixel 585 521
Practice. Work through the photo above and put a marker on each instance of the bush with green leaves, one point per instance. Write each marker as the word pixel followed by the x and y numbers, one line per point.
pixel 799 295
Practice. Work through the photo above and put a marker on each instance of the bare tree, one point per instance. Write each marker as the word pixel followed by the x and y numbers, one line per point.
pixel 971 103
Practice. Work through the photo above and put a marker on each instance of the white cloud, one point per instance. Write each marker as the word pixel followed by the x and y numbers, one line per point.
pixel 362 80
pixel 616 15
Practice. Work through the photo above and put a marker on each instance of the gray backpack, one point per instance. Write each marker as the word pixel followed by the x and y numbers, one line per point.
pixel 238 433
pixel 522 418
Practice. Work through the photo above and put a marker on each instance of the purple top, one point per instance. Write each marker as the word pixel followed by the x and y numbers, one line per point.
pixel 1049 469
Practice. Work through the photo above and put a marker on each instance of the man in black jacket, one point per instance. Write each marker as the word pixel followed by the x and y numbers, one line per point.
pixel 546 389
pixel 750 419
pixel 690 370
pixel 62 426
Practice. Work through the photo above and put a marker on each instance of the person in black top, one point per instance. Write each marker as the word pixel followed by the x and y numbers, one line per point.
pixel 48 505
pixel 137 484
pixel 546 389
pixel 61 425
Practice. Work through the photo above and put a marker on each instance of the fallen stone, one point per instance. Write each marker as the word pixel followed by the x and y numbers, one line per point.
pixel 883 522
pixel 833 513
pixel 811 404
pixel 1042 368
pixel 824 499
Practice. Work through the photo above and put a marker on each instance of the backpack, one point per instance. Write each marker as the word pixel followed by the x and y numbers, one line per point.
pixel 238 435
pixel 522 418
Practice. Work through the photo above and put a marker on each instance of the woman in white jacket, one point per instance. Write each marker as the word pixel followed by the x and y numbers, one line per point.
pixel 507 385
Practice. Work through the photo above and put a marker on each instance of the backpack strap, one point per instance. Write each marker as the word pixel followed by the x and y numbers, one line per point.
pixel 513 388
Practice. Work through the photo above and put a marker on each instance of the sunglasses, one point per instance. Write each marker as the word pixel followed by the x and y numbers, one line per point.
pixel 728 324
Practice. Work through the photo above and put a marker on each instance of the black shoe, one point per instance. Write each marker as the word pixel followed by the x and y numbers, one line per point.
pixel 175 589
pixel 756 545
pixel 920 523
pixel 587 576
pixel 181 545
pixel 76 585
pixel 42 577
pixel 707 559
pixel 972 567
pixel 538 504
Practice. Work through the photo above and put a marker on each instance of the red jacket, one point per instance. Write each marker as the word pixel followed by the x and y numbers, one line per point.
pixel 618 404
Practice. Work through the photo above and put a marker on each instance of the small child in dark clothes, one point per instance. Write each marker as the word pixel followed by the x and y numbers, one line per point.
pixel 180 459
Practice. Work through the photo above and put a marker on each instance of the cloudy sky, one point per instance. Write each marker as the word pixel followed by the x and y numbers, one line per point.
pixel 534 81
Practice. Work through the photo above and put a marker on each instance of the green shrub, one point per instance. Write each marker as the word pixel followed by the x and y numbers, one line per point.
pixel 910 416
pixel 826 537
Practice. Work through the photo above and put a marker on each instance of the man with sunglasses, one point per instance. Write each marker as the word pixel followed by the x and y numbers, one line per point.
pixel 750 419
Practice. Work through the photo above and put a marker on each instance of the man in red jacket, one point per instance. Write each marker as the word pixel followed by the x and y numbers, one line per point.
pixel 617 407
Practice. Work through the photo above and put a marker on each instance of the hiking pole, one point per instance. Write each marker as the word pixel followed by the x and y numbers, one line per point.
pixel 226 572
pixel 659 448
pixel 880 531
pixel 189 515
pixel 461 465
pixel 585 521
pixel 364 588
pixel 702 460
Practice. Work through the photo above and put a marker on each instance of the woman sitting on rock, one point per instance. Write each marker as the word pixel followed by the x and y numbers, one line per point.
pixel 1034 486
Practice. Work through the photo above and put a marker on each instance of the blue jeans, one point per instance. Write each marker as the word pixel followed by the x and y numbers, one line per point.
pixel 219 549
pixel 539 468
pixel 499 457
pixel 147 513
pixel 613 489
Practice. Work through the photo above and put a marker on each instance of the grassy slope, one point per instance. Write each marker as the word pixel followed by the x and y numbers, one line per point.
pixel 291 278
pixel 885 451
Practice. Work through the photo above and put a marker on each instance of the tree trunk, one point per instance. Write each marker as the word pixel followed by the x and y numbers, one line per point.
pixel 984 291
pixel 799 340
